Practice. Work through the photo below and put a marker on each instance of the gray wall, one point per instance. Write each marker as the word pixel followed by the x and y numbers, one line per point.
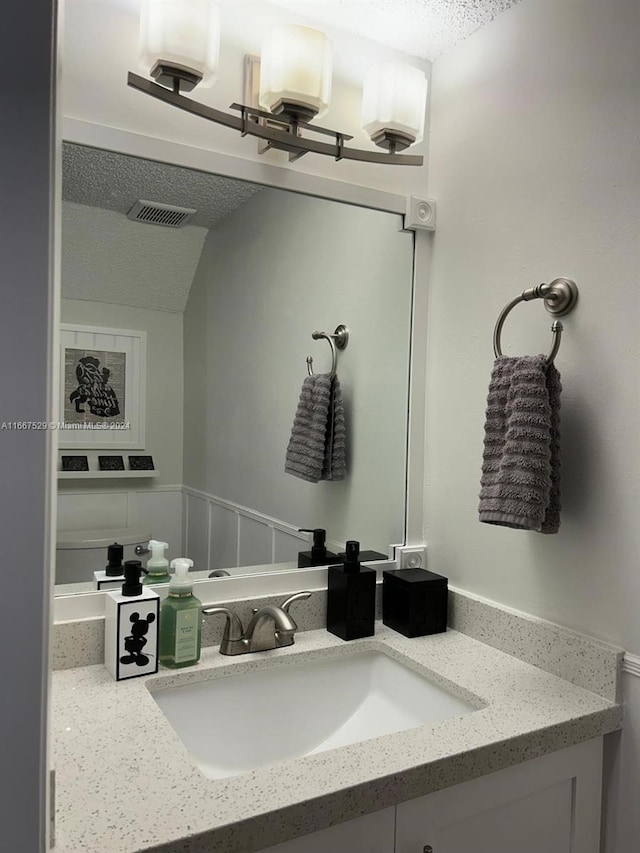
pixel 534 162
pixel 25 241
pixel 277 269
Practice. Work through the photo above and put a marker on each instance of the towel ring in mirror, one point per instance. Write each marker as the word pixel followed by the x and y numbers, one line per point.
pixel 337 341
pixel 560 297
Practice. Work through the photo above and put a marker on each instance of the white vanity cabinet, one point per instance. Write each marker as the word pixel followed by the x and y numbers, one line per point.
pixel 373 833
pixel 549 804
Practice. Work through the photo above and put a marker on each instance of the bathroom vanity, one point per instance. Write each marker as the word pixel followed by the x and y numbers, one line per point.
pixel 516 763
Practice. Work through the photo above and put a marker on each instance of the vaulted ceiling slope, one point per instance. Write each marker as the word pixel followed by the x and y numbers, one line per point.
pixel 107 257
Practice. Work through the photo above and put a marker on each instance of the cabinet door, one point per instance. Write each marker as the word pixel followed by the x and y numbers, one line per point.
pixel 531 824
pixel 549 804
pixel 372 833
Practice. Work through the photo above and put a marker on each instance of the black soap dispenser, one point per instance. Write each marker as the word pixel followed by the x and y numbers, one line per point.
pixel 114 568
pixel 351 597
pixel 318 555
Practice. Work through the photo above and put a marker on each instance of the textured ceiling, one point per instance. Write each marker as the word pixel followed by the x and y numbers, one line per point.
pixel 424 28
pixel 115 181
pixel 107 257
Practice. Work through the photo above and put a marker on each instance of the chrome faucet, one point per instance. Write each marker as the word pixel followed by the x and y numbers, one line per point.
pixel 271 627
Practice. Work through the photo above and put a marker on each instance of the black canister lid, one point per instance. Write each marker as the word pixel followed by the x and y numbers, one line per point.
pixel 413 577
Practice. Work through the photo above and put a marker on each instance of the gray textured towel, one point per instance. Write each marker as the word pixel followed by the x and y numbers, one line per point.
pixel 520 484
pixel 316 448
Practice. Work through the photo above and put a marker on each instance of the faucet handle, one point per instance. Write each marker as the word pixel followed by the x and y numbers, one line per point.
pixel 298 596
pixel 233 630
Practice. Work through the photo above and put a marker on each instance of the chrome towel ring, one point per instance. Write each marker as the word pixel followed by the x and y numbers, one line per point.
pixel 560 297
pixel 339 339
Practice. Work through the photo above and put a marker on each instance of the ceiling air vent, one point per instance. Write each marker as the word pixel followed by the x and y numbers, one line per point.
pixel 157 213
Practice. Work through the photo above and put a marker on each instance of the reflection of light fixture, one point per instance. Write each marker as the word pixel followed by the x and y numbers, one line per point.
pixel 179 42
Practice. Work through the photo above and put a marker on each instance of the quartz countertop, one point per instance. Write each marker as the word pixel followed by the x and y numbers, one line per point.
pixel 126 783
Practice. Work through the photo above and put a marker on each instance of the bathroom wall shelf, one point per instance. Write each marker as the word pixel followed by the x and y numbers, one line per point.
pixel 106 475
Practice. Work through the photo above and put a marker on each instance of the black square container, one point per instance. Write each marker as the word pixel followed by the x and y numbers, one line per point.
pixel 351 602
pixel 414 601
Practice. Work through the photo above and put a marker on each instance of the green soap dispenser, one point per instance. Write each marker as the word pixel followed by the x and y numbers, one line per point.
pixel 157 565
pixel 180 619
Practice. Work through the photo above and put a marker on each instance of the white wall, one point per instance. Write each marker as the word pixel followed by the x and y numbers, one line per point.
pixel 534 162
pixel 101 46
pixel 277 269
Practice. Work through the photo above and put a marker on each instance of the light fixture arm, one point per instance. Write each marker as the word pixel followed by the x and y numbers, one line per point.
pixel 285 137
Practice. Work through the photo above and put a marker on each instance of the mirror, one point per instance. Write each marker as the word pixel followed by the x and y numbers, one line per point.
pixel 227 303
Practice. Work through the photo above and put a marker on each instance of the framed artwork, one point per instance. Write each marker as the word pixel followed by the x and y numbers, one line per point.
pixel 111 463
pixel 75 463
pixel 103 387
pixel 141 463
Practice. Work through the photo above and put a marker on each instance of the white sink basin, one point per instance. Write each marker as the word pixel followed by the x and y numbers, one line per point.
pixel 238 723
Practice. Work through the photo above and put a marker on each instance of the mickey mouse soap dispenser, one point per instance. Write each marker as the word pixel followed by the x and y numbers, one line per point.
pixel 180 619
pixel 131 627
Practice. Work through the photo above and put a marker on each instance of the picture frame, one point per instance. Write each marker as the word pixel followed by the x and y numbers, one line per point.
pixel 111 463
pixel 102 387
pixel 74 463
pixel 141 463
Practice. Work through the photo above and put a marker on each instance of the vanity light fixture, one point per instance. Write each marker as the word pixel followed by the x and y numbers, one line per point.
pixel 179 46
pixel 180 42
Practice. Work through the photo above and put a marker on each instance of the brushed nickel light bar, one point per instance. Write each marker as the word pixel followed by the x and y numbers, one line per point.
pixel 282 132
pixel 285 88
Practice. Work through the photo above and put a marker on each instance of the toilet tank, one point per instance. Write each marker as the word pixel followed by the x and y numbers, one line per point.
pixel 81 552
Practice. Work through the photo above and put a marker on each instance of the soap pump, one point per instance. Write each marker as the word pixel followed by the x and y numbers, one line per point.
pixel 180 619
pixel 157 565
pixel 113 573
pixel 318 555
pixel 351 596
pixel 131 627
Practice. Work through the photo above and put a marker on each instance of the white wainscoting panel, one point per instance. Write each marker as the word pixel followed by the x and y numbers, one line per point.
pixel 237 535
pixel 196 545
pixel 160 512
pixel 255 542
pixel 92 510
pixel 157 510
pixel 223 537
pixel 286 546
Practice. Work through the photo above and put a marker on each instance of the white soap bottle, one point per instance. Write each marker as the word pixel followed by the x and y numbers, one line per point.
pixel 131 627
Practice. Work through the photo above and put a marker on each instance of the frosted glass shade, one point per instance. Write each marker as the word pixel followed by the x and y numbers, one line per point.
pixel 295 72
pixel 181 33
pixel 394 102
